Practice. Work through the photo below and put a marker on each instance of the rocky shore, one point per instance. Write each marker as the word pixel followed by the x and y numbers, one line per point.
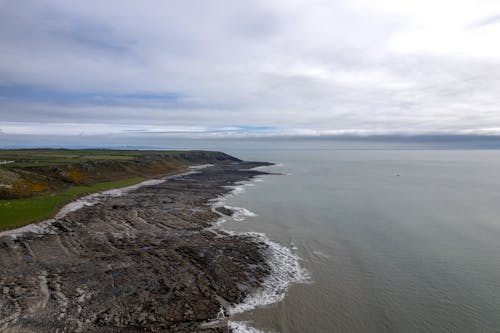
pixel 145 261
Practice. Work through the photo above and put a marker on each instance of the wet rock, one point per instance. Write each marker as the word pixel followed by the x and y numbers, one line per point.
pixel 141 262
pixel 225 211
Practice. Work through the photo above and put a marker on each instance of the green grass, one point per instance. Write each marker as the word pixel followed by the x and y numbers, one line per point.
pixel 40 157
pixel 29 176
pixel 19 212
pixel 47 157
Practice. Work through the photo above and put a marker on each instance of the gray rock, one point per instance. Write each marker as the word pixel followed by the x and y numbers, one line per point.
pixel 141 262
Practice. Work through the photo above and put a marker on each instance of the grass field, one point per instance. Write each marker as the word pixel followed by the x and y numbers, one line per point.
pixel 19 212
pixel 41 157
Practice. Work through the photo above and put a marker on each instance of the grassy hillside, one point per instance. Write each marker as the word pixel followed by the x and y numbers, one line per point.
pixel 18 212
pixel 35 183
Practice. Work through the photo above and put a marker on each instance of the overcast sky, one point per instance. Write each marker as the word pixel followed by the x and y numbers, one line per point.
pixel 249 68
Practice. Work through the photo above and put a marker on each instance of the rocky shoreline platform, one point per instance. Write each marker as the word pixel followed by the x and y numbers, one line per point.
pixel 144 261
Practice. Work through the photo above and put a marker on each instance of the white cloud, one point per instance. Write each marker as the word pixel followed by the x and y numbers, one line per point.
pixel 311 67
pixel 78 129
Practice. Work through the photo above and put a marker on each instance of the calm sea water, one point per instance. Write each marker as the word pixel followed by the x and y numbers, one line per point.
pixel 395 241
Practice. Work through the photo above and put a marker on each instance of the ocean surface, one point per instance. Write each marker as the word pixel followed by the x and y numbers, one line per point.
pixel 389 241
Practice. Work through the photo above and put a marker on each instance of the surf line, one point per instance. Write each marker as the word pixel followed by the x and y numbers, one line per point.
pixel 283 261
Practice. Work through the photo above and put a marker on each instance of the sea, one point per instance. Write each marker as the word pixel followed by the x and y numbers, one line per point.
pixel 373 240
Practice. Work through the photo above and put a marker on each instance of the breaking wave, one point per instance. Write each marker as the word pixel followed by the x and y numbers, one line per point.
pixel 283 261
pixel 285 270
pixel 240 213
pixel 242 327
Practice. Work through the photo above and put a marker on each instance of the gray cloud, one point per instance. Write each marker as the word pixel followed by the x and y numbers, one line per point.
pixel 486 21
pixel 298 67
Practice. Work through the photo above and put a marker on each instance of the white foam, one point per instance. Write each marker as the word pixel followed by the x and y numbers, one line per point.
pixel 240 213
pixel 285 270
pixel 283 262
pixel 236 189
pixel 242 327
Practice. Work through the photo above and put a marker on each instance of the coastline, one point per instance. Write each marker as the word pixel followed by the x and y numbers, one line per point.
pixel 145 260
pixel 88 200
pixel 284 263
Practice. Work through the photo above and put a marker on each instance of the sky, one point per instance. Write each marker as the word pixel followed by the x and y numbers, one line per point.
pixel 248 69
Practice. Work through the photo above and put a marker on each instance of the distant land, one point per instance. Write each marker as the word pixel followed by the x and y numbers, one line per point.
pixel 437 141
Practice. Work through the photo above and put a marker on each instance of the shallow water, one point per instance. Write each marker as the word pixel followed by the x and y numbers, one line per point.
pixel 395 241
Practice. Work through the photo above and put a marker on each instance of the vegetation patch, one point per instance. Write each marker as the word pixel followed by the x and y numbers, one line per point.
pixel 37 182
pixel 19 212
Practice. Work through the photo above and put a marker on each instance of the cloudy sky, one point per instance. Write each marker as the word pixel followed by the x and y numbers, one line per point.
pixel 255 68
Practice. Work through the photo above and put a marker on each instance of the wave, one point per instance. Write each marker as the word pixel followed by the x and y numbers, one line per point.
pixel 240 213
pixel 283 261
pixel 285 271
pixel 242 327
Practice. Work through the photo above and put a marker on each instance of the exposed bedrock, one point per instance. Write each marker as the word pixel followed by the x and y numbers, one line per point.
pixel 141 262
